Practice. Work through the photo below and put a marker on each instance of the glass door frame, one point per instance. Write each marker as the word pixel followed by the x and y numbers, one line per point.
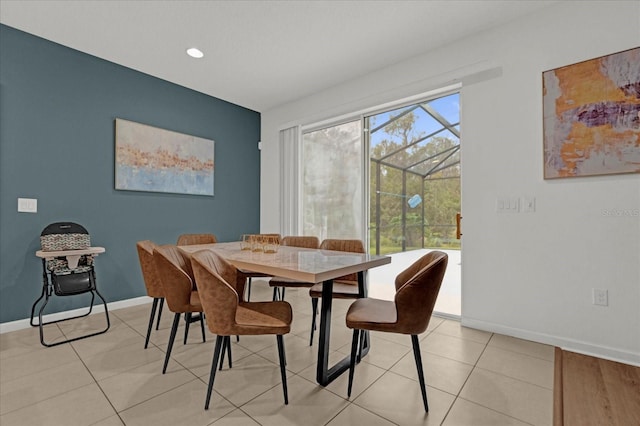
pixel 365 140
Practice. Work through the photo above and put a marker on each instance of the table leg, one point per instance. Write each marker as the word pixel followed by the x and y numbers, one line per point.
pixel 324 373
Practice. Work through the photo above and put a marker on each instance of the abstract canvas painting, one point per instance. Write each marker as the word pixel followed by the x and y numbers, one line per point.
pixel 591 115
pixel 158 160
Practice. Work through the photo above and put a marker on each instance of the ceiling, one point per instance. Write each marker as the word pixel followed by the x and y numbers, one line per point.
pixel 259 54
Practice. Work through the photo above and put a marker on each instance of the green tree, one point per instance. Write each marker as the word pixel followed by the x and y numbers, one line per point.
pixel 441 195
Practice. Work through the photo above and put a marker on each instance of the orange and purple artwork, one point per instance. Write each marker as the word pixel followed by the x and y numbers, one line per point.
pixel 158 160
pixel 591 113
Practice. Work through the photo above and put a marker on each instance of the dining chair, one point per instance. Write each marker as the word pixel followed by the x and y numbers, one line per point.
pixel 192 239
pixel 151 282
pixel 417 288
pixel 279 284
pixel 345 287
pixel 176 278
pixel 226 314
pixel 248 275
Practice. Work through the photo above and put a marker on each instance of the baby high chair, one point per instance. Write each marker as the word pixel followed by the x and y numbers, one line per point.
pixel 67 270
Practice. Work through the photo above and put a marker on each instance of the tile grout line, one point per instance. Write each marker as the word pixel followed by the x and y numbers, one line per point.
pixel 467 379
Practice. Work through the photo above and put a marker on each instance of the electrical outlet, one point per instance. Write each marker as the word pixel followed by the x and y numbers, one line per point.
pixel 529 204
pixel 600 297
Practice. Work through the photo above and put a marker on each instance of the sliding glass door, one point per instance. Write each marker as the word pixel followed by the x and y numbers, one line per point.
pixel 332 182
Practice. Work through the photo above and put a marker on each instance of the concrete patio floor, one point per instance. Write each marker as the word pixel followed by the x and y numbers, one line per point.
pixel 381 280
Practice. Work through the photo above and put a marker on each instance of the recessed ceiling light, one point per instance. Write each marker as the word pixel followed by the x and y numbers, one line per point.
pixel 195 52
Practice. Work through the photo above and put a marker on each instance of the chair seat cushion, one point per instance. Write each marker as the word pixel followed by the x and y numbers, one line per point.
pixel 341 290
pixel 263 318
pixel 373 314
pixel 287 282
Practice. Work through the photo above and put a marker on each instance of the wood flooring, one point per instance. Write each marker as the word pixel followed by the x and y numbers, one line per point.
pixel 594 391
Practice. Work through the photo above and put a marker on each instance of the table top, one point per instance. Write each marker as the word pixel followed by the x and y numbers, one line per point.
pixel 302 264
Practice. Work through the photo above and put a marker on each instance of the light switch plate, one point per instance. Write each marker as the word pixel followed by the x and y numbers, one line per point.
pixel 28 205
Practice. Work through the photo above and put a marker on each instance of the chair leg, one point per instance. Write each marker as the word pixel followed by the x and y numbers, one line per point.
pixel 172 337
pixel 363 338
pixel 160 312
pixel 282 294
pixel 418 357
pixel 204 339
pixel 352 363
pixel 229 350
pixel 151 318
pixel 187 319
pixel 214 364
pixel 275 294
pixel 283 373
pixel 226 346
pixel 249 290
pixel 314 311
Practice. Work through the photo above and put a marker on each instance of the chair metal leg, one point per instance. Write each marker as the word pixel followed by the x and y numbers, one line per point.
pixel 172 337
pixel 229 351
pixel 187 319
pixel 418 357
pixel 275 294
pixel 41 323
pixel 160 312
pixel 314 312
pixel 249 290
pixel 363 346
pixel 282 294
pixel 33 308
pixel 151 318
pixel 352 364
pixel 283 373
pixel 214 364
pixel 204 339
pixel 226 346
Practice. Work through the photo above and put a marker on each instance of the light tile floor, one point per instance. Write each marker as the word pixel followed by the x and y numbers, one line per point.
pixel 473 377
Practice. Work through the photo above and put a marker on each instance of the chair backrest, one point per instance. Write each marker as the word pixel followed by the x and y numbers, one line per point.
pixel 278 237
pixel 176 277
pixel 61 236
pixel 417 289
pixel 352 246
pixel 304 242
pixel 192 239
pixel 148 267
pixel 218 296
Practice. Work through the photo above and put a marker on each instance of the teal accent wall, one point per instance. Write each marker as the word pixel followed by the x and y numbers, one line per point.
pixel 57 112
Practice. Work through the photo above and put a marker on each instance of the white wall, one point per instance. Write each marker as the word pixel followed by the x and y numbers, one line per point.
pixel 529 275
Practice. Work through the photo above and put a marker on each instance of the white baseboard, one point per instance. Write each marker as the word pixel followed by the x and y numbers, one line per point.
pixel 6 327
pixel 564 343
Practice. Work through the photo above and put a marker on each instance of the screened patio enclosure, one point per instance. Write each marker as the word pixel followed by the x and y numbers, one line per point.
pixel 414 176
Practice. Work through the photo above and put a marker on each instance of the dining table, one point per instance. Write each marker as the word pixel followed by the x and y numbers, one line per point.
pixel 308 265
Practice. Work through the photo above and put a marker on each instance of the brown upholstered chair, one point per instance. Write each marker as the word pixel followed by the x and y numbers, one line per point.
pixel 192 239
pixel 345 287
pixel 151 282
pixel 226 314
pixel 248 275
pixel 176 277
pixel 282 282
pixel 417 288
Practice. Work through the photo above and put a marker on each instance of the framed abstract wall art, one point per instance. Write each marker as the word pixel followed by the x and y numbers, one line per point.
pixel 158 160
pixel 591 116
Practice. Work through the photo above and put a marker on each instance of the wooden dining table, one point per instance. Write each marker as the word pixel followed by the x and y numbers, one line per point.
pixel 308 265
